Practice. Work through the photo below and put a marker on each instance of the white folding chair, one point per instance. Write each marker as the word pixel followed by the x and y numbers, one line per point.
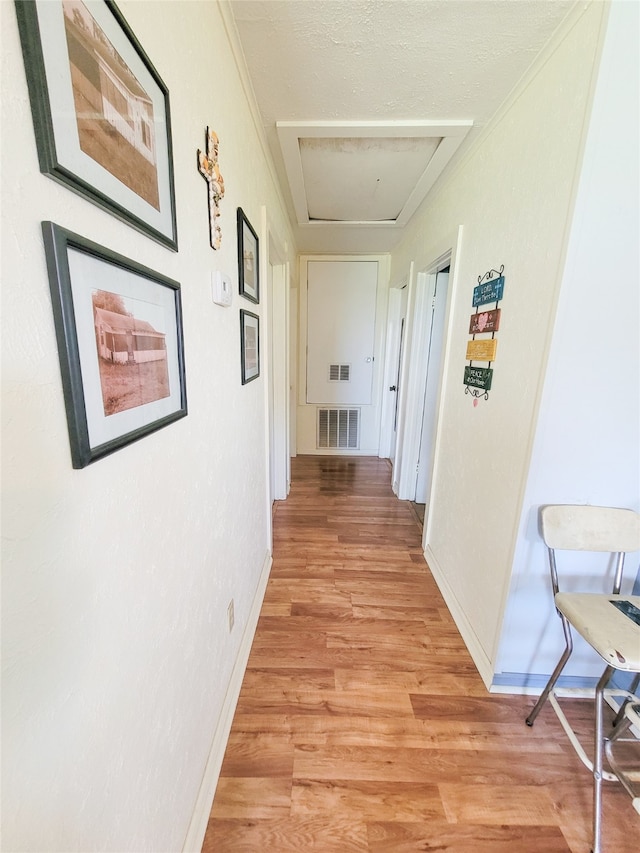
pixel 609 622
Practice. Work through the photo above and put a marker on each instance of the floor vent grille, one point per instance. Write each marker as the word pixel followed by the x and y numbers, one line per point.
pixel 339 428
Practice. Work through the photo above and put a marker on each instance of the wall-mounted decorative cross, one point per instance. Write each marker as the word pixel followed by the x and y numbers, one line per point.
pixel 208 168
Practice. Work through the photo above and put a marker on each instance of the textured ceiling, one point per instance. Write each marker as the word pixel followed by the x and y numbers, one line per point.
pixel 385 61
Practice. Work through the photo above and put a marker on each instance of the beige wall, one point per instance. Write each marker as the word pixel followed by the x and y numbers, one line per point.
pixel 117 577
pixel 587 444
pixel 512 195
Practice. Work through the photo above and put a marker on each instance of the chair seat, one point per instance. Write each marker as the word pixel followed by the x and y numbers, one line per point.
pixel 609 624
pixel 614 635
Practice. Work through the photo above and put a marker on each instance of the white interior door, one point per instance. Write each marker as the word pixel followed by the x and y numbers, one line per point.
pixel 432 388
pixel 341 313
pixel 394 389
pixel 426 319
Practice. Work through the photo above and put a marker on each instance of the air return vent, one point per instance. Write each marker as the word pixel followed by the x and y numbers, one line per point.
pixel 339 372
pixel 339 428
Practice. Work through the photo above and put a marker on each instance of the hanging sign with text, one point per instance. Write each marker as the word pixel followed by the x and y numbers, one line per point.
pixel 482 350
pixel 483 326
pixel 489 291
pixel 487 321
pixel 478 377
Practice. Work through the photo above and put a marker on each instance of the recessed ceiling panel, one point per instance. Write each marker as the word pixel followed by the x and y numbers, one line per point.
pixel 375 175
pixel 365 173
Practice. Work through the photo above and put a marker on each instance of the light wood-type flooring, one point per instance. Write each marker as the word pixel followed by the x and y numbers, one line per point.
pixel 362 723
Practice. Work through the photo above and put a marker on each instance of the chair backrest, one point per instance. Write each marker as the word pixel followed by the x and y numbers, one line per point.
pixel 590 528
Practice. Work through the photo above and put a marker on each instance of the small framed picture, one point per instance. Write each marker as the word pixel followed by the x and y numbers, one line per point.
pixel 249 345
pixel 100 111
pixel 248 259
pixel 120 345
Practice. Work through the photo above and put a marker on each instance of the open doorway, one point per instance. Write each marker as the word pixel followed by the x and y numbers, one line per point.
pixel 278 361
pixel 422 372
pixel 432 388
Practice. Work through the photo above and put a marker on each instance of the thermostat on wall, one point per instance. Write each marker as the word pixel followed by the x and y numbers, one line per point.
pixel 221 288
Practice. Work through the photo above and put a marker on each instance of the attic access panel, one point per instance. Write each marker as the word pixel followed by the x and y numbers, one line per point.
pixel 371 173
pixel 375 176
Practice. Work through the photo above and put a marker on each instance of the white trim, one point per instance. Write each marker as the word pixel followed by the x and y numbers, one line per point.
pixel 204 800
pixel 276 348
pixel 404 373
pixel 390 371
pixel 455 248
pixel 265 311
pixel 417 351
pixel 480 657
pixel 414 368
pixel 515 690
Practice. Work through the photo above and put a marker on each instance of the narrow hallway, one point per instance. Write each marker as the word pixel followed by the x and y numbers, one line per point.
pixel 362 723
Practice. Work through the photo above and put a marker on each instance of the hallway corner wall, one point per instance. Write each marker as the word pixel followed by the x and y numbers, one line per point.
pixel 118 658
pixel 587 446
pixel 513 193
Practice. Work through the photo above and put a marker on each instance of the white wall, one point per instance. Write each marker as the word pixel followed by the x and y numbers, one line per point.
pixel 587 448
pixel 512 194
pixel 117 577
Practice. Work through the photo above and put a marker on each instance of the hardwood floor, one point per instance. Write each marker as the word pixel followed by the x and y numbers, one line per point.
pixel 362 723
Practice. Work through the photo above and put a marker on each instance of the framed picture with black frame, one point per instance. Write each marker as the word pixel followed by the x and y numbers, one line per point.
pixel 100 111
pixel 249 346
pixel 120 345
pixel 248 259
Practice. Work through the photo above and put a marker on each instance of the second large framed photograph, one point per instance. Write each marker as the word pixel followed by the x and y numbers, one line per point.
pixel 100 111
pixel 249 345
pixel 120 345
pixel 248 259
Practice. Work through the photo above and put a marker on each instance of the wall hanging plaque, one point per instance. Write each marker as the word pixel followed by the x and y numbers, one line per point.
pixel 208 168
pixel 248 259
pixel 249 346
pixel 100 111
pixel 119 333
pixel 477 380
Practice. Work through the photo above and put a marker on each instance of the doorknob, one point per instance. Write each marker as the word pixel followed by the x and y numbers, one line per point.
pixel 392 388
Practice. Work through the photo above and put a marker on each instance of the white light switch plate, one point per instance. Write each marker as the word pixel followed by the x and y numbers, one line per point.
pixel 221 288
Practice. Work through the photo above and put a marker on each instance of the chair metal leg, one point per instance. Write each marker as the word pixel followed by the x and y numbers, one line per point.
pixel 598 749
pixel 633 688
pixel 556 672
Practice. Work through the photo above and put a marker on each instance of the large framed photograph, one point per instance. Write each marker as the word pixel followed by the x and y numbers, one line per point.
pixel 248 259
pixel 100 111
pixel 120 344
pixel 249 345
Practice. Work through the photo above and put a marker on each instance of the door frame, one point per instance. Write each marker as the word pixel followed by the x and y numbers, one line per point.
pixel 306 416
pixel 275 352
pixel 391 371
pixel 433 381
pixel 417 350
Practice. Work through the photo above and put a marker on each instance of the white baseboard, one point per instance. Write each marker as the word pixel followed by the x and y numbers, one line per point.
pixel 515 690
pixel 204 800
pixel 482 662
